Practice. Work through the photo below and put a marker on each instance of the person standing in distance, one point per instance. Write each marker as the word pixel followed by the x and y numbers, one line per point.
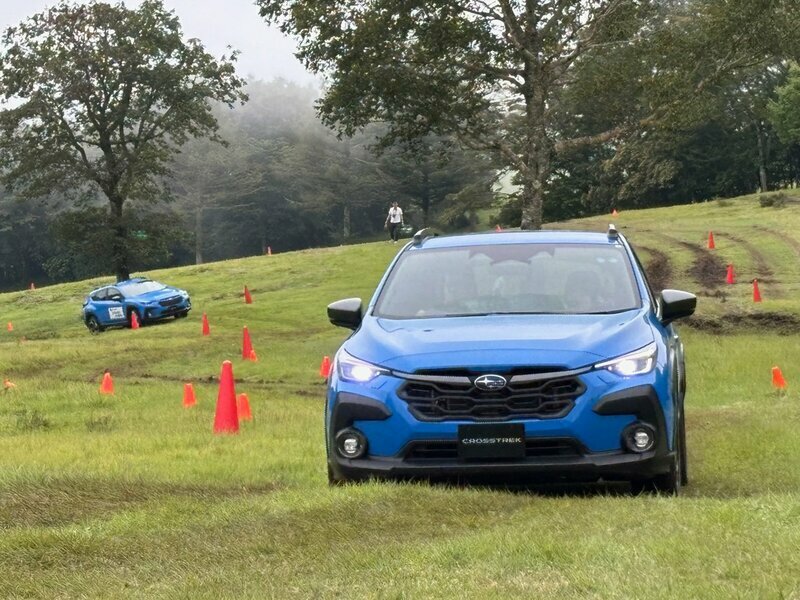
pixel 394 221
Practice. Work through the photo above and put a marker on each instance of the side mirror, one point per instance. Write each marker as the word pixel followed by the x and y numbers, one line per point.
pixel 345 313
pixel 676 304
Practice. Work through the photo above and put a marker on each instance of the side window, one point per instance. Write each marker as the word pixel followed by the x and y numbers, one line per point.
pixel 100 294
pixel 112 292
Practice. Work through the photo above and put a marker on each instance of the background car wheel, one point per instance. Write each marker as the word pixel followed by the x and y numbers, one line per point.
pixel 93 324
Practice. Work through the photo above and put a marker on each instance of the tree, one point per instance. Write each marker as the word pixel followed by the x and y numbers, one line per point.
pixel 495 71
pixel 784 111
pixel 98 98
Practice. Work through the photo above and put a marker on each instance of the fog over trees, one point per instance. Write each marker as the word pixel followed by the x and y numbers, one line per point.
pixel 660 121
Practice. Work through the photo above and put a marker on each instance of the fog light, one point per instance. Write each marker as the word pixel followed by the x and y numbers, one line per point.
pixel 640 437
pixel 351 443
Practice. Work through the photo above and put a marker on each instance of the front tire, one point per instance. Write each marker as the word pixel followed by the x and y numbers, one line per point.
pixel 333 481
pixel 93 325
pixel 666 484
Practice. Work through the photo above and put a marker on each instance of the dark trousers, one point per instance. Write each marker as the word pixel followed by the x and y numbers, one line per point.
pixel 394 231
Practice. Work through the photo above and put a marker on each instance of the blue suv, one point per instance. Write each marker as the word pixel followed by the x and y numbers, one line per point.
pixel 511 356
pixel 113 305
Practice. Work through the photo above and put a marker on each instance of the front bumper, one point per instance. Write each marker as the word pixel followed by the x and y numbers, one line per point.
pixel 163 312
pixel 612 412
pixel 609 466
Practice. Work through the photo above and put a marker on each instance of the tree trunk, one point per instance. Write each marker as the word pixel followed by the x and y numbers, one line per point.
pixel 119 245
pixel 763 157
pixel 198 236
pixel 536 152
pixel 425 198
pixel 346 222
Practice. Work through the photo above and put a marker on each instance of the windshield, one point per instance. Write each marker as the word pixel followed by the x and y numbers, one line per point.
pixel 509 279
pixel 136 289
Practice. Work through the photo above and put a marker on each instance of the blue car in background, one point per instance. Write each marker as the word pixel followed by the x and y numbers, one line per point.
pixel 114 305
pixel 511 356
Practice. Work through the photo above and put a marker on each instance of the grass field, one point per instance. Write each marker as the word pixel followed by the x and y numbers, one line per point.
pixel 131 496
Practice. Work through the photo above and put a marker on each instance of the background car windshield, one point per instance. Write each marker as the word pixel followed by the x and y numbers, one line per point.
pixel 135 289
pixel 510 278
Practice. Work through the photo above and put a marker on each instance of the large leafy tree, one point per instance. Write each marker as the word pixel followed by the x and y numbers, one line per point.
pixel 98 98
pixel 496 72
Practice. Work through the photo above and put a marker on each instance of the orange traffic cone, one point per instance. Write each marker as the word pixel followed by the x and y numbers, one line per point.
pixel 253 356
pixel 134 320
pixel 778 381
pixel 32 286
pixel 189 399
pixel 107 386
pixel 247 345
pixel 614 213
pixel 711 244
pixel 8 384
pixel 730 278
pixel 226 419
pixel 756 291
pixel 206 328
pixel 243 408
pixel 497 228
pixel 10 326
pixel 248 299
pixel 325 367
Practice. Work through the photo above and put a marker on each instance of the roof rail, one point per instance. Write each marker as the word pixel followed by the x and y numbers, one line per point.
pixel 424 234
pixel 613 234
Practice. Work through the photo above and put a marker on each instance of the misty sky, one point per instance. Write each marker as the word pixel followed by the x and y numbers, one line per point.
pixel 266 53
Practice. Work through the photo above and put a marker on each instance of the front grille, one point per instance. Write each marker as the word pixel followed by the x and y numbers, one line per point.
pixel 439 450
pixel 171 301
pixel 446 400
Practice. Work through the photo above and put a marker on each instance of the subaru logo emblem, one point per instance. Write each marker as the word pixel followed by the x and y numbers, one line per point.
pixel 490 383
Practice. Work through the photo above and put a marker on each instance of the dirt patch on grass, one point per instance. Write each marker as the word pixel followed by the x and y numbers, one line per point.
pixel 659 269
pixel 57 502
pixel 707 268
pixel 731 324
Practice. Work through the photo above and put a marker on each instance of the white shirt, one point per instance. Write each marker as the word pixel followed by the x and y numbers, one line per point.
pixel 395 215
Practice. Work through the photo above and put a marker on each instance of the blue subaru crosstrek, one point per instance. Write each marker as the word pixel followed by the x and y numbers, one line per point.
pixel 114 305
pixel 517 356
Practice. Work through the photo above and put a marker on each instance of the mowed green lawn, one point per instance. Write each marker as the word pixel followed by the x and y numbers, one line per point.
pixel 133 496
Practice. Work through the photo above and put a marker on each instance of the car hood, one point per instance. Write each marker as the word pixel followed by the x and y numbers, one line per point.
pixel 155 296
pixel 564 341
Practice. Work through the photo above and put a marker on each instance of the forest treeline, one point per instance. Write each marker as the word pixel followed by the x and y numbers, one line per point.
pixel 282 180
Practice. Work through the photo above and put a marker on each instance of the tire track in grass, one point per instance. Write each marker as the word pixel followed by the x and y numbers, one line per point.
pixel 763 272
pixel 658 268
pixel 707 269
pixel 784 237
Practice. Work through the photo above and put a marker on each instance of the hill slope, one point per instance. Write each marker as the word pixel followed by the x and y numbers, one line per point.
pixel 132 496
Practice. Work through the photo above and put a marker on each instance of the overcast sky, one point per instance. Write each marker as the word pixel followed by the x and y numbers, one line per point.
pixel 266 53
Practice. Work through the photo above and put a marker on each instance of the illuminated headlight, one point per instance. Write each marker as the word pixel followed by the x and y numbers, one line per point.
pixel 351 368
pixel 636 363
